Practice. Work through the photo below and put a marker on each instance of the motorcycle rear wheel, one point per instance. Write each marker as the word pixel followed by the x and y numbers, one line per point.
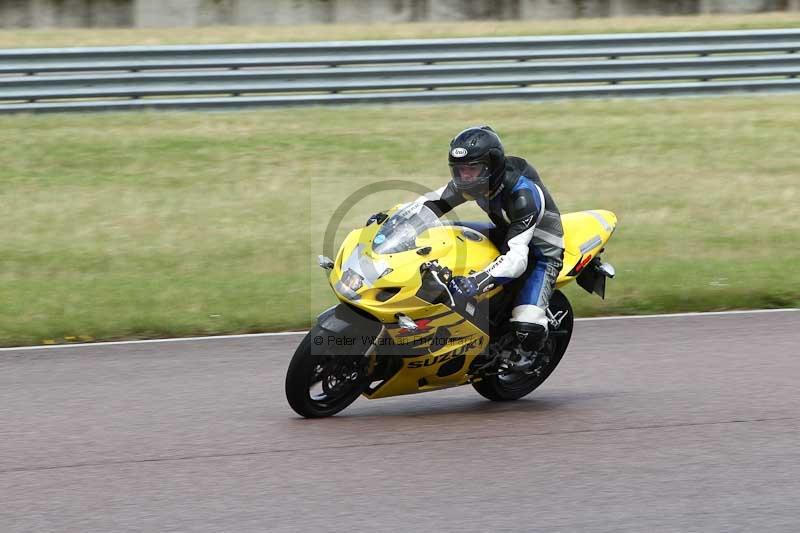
pixel 513 386
pixel 322 384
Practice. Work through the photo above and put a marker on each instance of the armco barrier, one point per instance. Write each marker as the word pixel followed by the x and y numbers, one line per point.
pixel 115 78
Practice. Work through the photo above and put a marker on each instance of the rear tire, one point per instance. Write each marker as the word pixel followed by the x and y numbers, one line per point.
pixel 513 386
pixel 339 376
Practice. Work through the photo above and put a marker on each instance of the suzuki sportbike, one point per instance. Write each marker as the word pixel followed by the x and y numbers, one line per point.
pixel 398 329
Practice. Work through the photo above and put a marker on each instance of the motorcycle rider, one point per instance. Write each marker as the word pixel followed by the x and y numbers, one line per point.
pixel 526 228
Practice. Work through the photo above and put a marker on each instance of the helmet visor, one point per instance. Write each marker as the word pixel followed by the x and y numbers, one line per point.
pixel 469 175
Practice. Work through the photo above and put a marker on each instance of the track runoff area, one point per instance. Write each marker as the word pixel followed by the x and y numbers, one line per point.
pixel 289 333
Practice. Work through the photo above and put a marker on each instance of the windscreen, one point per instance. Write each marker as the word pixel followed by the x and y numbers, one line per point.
pixel 400 231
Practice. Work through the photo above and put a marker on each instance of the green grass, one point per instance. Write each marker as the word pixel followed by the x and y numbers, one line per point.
pixel 249 34
pixel 161 224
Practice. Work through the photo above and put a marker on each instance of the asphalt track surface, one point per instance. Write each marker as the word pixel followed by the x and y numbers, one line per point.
pixel 658 424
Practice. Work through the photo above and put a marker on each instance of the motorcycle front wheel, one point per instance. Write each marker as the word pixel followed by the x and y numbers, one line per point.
pixel 321 381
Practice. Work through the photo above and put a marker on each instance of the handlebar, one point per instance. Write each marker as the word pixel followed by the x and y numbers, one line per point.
pixel 442 271
pixel 441 275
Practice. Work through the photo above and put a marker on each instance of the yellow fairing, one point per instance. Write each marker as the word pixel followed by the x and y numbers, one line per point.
pixel 585 234
pixel 440 352
pixel 433 364
pixel 448 246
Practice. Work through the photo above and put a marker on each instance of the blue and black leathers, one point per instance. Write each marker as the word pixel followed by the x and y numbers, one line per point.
pixel 526 227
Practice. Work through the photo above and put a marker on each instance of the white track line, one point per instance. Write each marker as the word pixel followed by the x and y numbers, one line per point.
pixel 682 315
pixel 287 333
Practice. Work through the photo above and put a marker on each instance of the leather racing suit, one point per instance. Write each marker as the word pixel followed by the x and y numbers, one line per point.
pixel 526 227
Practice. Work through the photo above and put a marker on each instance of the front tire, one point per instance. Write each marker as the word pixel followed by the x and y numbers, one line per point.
pixel 322 384
pixel 515 385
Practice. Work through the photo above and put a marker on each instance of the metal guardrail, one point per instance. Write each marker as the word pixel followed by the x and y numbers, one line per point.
pixel 393 71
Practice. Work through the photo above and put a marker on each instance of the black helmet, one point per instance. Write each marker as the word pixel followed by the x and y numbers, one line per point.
pixel 477 161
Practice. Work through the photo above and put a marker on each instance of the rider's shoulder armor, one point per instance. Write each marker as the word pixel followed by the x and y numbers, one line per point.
pixel 518 189
pixel 521 205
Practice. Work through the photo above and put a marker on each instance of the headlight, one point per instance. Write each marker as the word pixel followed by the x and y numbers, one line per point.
pixel 351 280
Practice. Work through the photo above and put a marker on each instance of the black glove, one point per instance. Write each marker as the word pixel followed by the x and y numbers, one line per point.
pixel 469 286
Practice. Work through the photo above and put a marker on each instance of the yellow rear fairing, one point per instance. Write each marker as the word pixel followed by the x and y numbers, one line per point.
pixel 585 234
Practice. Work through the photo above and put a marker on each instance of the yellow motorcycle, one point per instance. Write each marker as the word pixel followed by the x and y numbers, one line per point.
pixel 400 330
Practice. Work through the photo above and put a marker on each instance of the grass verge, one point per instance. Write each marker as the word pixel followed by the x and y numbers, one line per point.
pixel 161 224
pixel 251 34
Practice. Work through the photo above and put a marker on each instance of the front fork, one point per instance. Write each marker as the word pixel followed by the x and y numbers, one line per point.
pixel 372 351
